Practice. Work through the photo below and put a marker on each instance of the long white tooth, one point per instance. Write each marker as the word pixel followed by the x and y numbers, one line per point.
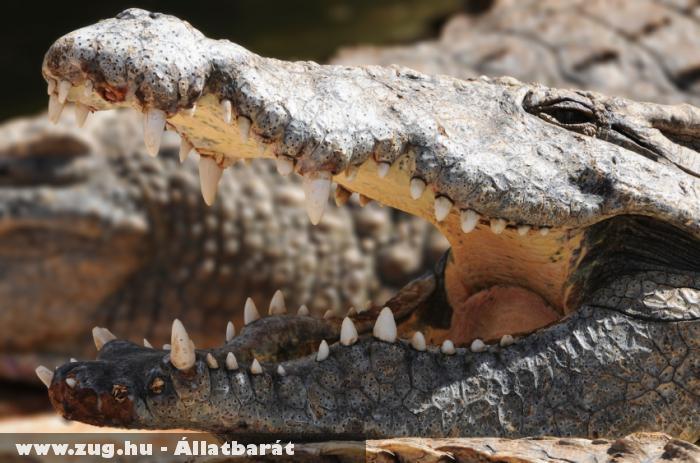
pixel 167 346
pixel 506 340
pixel 341 195
pixel 478 346
pixel 87 88
pixel 497 226
pixel 81 114
pixel 244 127
pixel 523 229
pixel 230 331
pixel 544 231
pixel 153 127
pixel 250 312
pixel 443 204
pixel 102 336
pixel 385 326
pixel 51 87
pixel 226 109
pixel 255 367
pixel 182 354
pixel 447 347
pixel 417 187
pixel 383 169
pixel 63 89
pixel 277 305
pixel 468 219
pixel 418 341
pixel 147 344
pixel 351 172
pixel 303 310
pixel 348 332
pixel 185 148
pixel 285 165
pixel 71 382
pixel 323 351
pixel 55 108
pixel 209 176
pixel 45 375
pixel 281 371
pixel 211 361
pixel 231 362
pixel 317 187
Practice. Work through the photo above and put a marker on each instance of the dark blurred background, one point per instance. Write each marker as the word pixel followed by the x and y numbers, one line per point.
pixel 308 29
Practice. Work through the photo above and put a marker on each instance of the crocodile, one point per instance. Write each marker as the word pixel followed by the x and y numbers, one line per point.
pixel 568 303
pixel 113 237
pixel 642 49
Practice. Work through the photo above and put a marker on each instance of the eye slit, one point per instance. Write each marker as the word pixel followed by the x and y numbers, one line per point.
pixel 567 112
pixel 157 385
pixel 120 392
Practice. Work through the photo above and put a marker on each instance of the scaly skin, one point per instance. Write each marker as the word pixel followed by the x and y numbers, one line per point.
pixel 641 49
pixel 96 233
pixel 593 205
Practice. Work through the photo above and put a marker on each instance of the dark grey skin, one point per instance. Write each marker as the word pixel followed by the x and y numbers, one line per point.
pixel 606 189
pixel 94 232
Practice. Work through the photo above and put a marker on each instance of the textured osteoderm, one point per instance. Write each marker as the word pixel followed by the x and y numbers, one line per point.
pixel 567 213
pixel 93 232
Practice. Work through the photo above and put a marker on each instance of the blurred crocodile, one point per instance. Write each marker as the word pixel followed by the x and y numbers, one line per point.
pixel 94 232
pixel 574 225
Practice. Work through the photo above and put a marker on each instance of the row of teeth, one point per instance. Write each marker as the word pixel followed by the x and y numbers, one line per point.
pixel 182 349
pixel 316 185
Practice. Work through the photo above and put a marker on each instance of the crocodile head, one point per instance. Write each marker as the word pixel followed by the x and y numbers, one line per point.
pixel 568 302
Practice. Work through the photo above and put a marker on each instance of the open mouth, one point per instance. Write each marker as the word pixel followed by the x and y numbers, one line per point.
pixel 462 344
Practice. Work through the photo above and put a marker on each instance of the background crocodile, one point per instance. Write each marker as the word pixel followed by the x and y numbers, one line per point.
pixel 572 200
pixel 92 230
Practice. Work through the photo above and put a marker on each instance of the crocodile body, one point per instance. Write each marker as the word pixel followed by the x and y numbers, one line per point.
pixel 100 228
pixel 581 205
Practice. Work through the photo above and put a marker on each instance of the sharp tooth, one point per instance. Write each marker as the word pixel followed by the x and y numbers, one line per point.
pixel 63 89
pixel 81 114
pixel 87 88
pixel 182 354
pixel 230 331
pixel 211 361
pixel 328 314
pixel 383 169
pixel 364 200
pixel 478 346
pixel 281 371
pixel 209 176
pixel 250 312
pixel 506 340
pixel 447 347
pixel 385 326
pixel 351 172
pixel 71 382
pixel 523 229
pixel 231 362
pixel 352 311
pixel 185 148
pixel 55 108
pixel 102 336
pixel 226 109
pixel 317 187
pixel 418 341
pixel 544 231
pixel 147 344
pixel 285 165
pixel 341 195
pixel 51 87
pixel 45 375
pixel 153 127
pixel 303 310
pixel 255 367
pixel 443 204
pixel 277 305
pixel 191 111
pixel 348 332
pixel 468 220
pixel 166 346
pixel 417 187
pixel 497 226
pixel 323 351
pixel 243 127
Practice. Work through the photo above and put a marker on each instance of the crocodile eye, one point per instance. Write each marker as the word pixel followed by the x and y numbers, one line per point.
pixel 120 392
pixel 567 113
